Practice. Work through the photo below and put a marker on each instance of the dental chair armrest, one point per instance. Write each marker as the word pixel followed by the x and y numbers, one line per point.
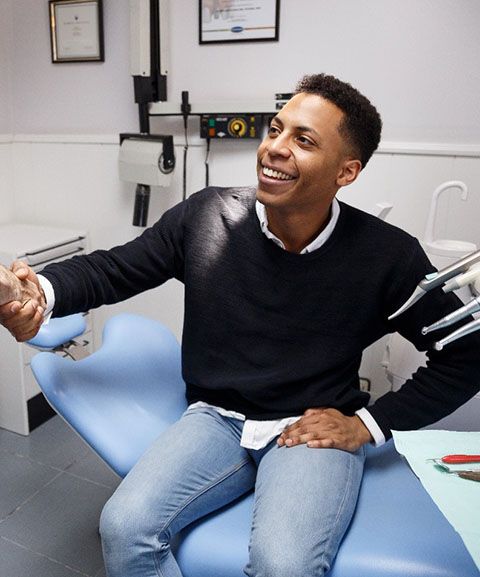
pixel 59 331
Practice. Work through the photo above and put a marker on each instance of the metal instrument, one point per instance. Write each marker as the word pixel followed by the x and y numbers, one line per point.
pixel 472 307
pixel 445 462
pixel 470 327
pixel 437 279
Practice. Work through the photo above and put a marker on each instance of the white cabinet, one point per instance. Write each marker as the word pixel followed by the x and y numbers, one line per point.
pixel 22 406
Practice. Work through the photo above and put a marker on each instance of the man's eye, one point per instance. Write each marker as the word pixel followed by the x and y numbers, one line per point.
pixel 304 140
pixel 273 130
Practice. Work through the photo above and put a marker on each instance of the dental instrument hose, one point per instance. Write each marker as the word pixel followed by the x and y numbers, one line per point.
pixel 186 108
pixel 207 166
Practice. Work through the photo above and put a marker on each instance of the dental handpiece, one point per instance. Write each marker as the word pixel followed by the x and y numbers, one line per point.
pixel 469 277
pixel 435 280
pixel 471 307
pixel 461 332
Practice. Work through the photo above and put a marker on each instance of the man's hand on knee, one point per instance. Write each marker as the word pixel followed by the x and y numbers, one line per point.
pixel 326 428
pixel 22 301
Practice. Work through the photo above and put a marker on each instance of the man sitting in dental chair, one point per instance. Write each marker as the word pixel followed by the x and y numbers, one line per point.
pixel 285 287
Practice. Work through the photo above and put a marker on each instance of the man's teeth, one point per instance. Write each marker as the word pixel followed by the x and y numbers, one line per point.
pixel 276 174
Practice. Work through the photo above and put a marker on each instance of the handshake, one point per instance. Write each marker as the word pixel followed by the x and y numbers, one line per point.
pixel 22 301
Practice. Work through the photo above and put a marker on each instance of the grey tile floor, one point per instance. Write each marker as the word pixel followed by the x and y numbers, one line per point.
pixel 52 489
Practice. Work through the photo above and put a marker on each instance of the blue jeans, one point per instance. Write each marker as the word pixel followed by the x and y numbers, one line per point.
pixel 304 499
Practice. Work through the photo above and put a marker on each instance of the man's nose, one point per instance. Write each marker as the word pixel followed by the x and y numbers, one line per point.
pixel 280 146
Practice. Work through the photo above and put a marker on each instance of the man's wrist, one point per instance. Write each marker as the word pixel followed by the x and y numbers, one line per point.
pixel 43 297
pixel 363 432
pixel 378 438
pixel 48 293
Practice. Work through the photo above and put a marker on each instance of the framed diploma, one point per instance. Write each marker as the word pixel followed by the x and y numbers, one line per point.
pixel 238 20
pixel 76 30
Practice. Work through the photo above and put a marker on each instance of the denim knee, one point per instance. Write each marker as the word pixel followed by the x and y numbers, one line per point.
pixel 115 522
pixel 125 521
pixel 284 562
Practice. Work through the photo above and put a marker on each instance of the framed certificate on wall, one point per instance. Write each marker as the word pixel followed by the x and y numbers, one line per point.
pixel 238 20
pixel 76 30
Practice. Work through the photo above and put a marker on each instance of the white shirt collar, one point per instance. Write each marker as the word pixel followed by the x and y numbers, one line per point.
pixel 316 243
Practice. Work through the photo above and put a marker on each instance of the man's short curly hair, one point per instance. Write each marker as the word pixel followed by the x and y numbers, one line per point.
pixel 362 125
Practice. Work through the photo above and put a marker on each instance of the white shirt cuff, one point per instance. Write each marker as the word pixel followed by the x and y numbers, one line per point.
pixel 49 296
pixel 371 424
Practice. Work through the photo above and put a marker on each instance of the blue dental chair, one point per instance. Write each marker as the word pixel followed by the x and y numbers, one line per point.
pixel 124 395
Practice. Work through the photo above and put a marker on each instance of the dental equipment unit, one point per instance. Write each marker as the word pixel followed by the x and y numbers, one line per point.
pixel 437 279
pixel 453 277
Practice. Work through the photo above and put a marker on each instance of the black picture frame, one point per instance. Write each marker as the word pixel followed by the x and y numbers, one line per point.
pixel 76 31
pixel 230 19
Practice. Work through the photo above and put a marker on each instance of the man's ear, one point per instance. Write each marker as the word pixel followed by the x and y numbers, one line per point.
pixel 350 170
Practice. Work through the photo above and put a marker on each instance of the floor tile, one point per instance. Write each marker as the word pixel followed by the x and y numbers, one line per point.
pixel 61 522
pixel 92 468
pixel 16 561
pixel 20 478
pixel 53 443
pixel 101 573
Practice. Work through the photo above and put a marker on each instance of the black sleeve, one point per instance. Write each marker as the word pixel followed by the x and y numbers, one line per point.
pixel 109 276
pixel 451 377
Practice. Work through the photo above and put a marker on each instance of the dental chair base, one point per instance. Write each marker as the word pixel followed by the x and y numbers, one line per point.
pixel 124 395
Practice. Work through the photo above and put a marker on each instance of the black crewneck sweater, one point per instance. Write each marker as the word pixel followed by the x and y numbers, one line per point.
pixel 270 333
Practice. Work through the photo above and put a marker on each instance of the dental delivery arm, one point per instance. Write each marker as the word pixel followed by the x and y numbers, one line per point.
pixel 451 376
pixel 455 276
pixel 437 279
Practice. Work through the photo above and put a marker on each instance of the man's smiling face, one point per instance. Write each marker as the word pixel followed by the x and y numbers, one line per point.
pixel 302 161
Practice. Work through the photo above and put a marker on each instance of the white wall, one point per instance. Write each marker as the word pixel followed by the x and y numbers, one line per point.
pixel 84 98
pixel 6 179
pixel 416 59
pixel 408 181
pixel 6 111
pixel 5 67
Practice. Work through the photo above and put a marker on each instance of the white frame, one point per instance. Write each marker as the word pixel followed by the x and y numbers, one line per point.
pixel 238 20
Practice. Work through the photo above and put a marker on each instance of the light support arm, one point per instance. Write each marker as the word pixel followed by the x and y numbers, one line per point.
pixel 148 46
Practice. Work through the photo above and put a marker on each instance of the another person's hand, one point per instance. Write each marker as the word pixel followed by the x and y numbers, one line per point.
pixel 326 428
pixel 22 301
